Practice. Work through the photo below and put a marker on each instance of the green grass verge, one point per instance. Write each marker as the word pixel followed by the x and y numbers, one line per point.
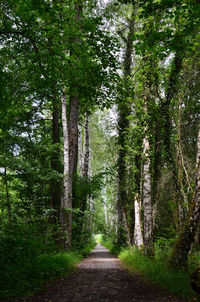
pixel 156 271
pixel 25 265
pixel 112 247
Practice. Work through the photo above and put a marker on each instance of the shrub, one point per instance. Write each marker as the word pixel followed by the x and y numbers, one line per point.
pixel 26 262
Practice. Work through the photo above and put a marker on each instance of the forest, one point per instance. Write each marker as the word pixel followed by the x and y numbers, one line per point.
pixel 99 139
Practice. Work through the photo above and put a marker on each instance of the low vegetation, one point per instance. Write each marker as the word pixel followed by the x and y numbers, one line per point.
pixel 155 269
pixel 27 262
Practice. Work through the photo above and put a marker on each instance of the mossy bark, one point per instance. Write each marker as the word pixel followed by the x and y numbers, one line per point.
pixel 187 236
pixel 123 125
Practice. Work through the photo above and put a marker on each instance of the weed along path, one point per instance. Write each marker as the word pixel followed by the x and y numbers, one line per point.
pixel 101 278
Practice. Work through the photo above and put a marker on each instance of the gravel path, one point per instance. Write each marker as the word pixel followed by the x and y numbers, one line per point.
pixel 101 278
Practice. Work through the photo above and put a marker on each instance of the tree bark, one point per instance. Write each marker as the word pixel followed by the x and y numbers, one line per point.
pixel 187 236
pixel 55 183
pixel 123 125
pixel 7 198
pixel 148 219
pixel 138 238
pixel 66 205
pixel 72 143
pixel 87 148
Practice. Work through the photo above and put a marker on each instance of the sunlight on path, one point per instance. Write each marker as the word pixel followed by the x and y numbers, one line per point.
pixel 100 259
pixel 101 278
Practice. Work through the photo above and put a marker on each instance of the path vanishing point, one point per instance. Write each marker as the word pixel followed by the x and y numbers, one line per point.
pixel 101 278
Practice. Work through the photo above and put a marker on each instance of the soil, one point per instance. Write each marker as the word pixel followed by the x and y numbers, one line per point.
pixel 101 278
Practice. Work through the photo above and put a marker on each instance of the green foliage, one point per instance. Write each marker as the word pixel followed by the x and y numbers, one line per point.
pixel 111 244
pixel 156 270
pixel 27 262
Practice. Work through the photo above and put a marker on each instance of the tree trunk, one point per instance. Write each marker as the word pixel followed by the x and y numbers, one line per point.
pixel 7 197
pixel 81 150
pixel 65 212
pixel 148 219
pixel 105 213
pixel 70 157
pixel 123 125
pixel 55 183
pixel 87 148
pixel 85 198
pixel 187 236
pixel 72 143
pixel 138 239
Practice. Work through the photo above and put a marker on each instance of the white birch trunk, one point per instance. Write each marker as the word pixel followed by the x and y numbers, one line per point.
pixel 105 213
pixel 65 214
pixel 86 148
pixel 148 221
pixel 65 153
pixel 138 239
pixel 80 151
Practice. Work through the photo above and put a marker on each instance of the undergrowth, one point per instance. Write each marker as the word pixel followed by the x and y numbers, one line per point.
pixel 154 269
pixel 109 244
pixel 27 263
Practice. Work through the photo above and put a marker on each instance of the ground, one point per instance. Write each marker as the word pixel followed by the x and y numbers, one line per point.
pixel 101 278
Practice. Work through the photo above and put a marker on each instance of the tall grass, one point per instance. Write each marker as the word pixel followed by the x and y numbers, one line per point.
pixel 156 270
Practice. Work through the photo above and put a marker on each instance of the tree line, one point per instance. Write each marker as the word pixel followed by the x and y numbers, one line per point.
pixel 62 62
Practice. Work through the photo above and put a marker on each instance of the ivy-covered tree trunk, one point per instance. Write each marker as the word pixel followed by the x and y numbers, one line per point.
pixel 187 236
pixel 169 150
pixel 123 125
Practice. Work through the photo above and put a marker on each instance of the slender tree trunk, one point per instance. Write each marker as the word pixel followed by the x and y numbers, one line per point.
pixel 7 197
pixel 181 196
pixel 105 213
pixel 138 238
pixel 187 236
pixel 170 93
pixel 73 143
pixel 66 205
pixel 55 183
pixel 126 225
pixel 123 125
pixel 148 219
pixel 81 150
pixel 87 148
pixel 85 198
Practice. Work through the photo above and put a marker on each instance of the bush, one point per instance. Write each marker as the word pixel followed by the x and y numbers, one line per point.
pixel 26 262
pixel 109 244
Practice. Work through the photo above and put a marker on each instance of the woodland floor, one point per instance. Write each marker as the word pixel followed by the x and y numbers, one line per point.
pixel 101 278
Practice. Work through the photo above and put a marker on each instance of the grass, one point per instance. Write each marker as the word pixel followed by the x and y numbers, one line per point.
pixel 109 244
pixel 26 263
pixel 156 271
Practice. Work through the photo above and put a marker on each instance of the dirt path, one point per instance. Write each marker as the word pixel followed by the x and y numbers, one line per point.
pixel 101 278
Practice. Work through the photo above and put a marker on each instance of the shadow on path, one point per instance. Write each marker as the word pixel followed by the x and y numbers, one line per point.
pixel 101 278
